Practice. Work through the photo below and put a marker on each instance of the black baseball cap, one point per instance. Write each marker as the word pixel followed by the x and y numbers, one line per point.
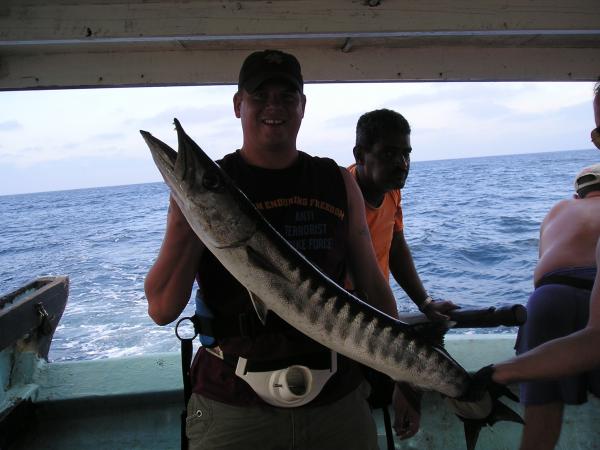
pixel 265 65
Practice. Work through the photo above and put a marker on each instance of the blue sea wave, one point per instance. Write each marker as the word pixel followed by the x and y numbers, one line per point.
pixel 472 226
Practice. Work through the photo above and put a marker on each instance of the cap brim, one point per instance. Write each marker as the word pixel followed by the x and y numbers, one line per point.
pixel 587 183
pixel 254 83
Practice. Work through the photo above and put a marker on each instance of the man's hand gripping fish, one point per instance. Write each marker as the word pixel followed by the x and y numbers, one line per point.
pixel 282 280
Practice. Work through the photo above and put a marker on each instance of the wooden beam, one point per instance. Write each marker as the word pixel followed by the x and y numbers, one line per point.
pixel 366 64
pixel 87 20
pixel 101 43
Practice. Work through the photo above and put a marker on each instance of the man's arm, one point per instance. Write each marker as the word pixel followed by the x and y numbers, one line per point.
pixel 366 275
pixel 566 356
pixel 169 282
pixel 596 131
pixel 369 279
pixel 597 104
pixel 403 269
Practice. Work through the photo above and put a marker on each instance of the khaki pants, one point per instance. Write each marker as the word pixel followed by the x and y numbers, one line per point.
pixel 346 424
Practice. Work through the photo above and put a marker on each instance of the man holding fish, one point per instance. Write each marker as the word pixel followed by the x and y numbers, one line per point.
pixel 317 206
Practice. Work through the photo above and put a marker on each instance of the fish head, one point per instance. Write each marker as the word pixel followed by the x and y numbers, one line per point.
pixel 203 191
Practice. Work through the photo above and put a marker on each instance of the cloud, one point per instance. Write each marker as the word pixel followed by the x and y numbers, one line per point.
pixel 205 115
pixel 109 136
pixel 449 120
pixel 27 157
pixel 10 125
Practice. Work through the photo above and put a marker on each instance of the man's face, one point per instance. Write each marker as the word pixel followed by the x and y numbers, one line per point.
pixel 386 166
pixel 271 115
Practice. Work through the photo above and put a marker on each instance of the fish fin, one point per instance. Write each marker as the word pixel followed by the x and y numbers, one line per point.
pixel 472 429
pixel 262 262
pixel 260 307
pixel 502 412
pixel 480 406
pixel 433 332
pixel 182 168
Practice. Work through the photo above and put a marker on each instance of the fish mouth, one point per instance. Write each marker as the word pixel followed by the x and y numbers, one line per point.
pixel 163 155
pixel 168 162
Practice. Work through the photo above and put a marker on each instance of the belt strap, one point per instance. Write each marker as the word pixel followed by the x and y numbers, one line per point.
pixel 186 362
pixel 246 325
pixel 317 361
pixel 579 283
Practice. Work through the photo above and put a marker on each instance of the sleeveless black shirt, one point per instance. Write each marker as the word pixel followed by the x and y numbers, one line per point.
pixel 307 204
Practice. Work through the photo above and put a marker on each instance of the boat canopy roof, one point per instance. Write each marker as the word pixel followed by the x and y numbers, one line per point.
pixel 116 43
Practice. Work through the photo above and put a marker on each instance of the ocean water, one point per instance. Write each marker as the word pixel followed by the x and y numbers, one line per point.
pixel 472 226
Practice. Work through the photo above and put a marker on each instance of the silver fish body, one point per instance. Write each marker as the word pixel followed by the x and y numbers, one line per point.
pixel 282 280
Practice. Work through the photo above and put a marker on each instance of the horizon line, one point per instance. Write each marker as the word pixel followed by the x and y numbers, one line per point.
pixel 412 162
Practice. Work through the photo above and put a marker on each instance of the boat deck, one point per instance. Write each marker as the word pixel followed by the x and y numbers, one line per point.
pixel 135 403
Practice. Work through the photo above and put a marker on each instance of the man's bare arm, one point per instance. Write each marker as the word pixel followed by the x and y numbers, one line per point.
pixel 363 263
pixel 169 282
pixel 403 269
pixel 405 273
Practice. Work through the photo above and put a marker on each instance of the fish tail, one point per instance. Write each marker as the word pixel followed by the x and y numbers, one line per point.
pixel 480 406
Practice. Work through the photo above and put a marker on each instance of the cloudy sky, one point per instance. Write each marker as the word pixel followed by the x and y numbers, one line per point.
pixel 68 139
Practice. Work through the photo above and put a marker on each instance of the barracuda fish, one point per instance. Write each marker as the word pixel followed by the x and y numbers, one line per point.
pixel 282 280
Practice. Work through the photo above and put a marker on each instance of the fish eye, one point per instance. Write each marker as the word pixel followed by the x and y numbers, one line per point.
pixel 211 180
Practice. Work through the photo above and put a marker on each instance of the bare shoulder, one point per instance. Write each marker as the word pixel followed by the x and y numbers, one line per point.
pixel 584 207
pixel 356 207
pixel 346 174
pixel 559 208
pixel 352 189
pixel 562 205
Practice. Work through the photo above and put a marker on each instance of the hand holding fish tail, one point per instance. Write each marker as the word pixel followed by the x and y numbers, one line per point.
pixel 478 400
pixel 480 405
pixel 482 381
